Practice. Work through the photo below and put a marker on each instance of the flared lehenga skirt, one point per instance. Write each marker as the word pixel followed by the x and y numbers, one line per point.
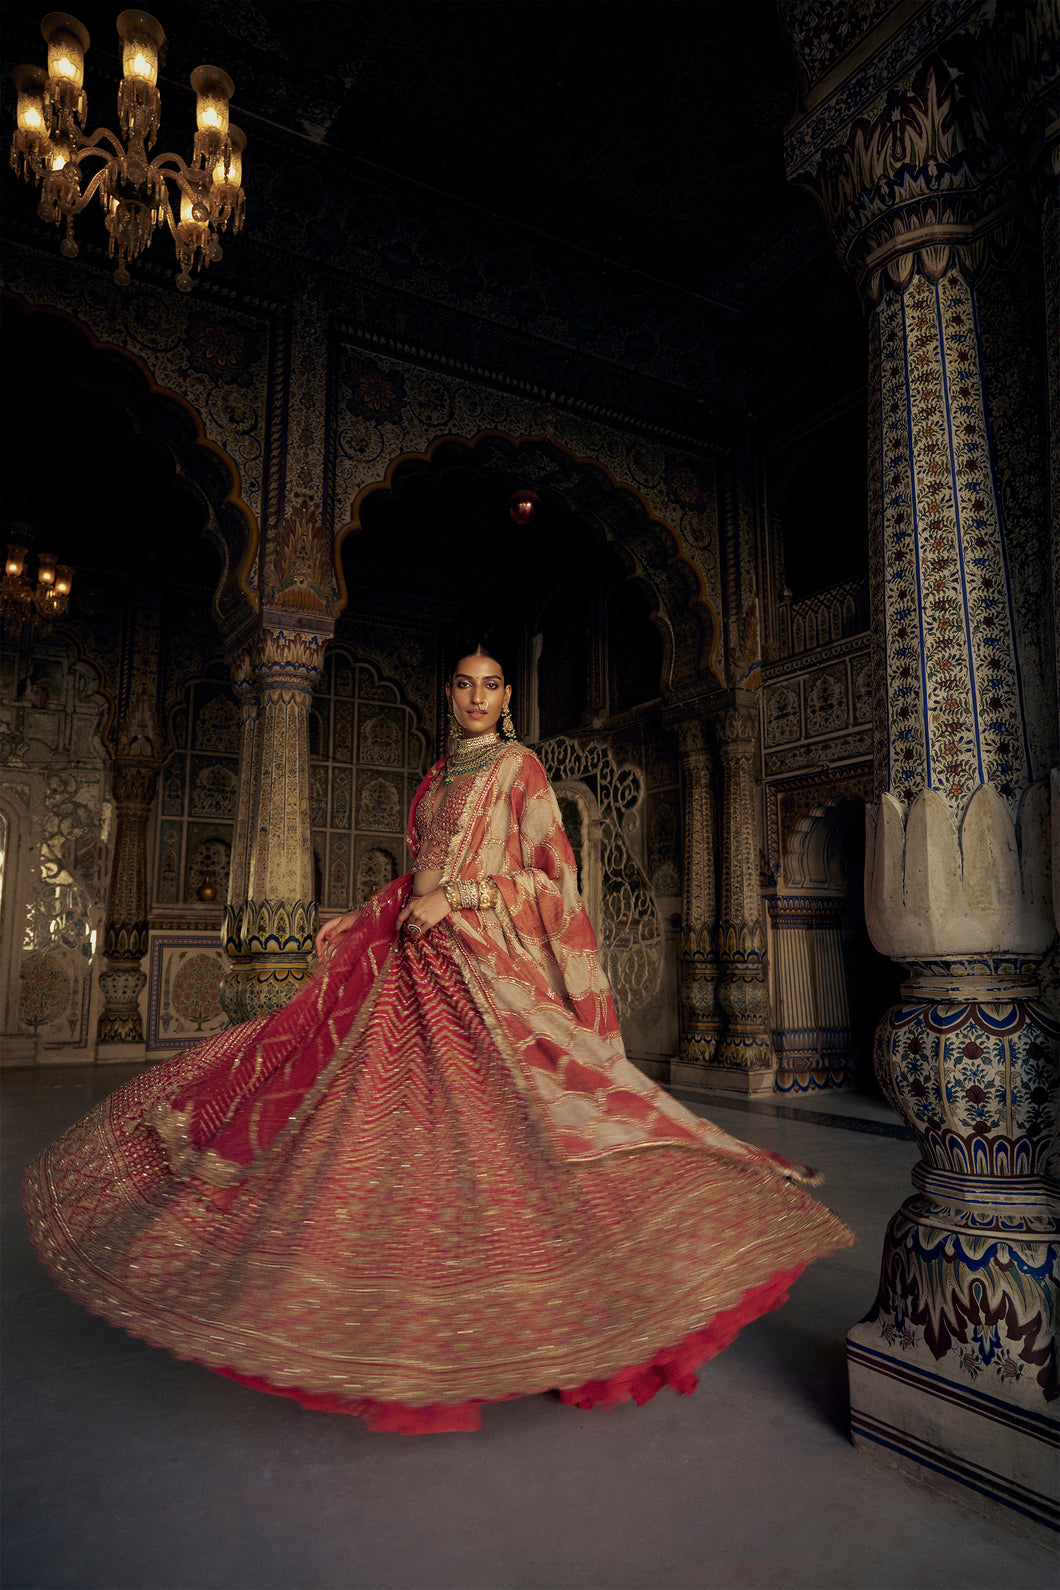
pixel 415 1245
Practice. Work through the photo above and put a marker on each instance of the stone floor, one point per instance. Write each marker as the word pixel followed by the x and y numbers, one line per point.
pixel 126 1470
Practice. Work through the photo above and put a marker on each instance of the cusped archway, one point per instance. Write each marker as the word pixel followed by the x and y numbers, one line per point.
pixel 96 452
pixel 460 488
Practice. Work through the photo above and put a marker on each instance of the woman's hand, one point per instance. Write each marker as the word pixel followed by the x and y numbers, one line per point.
pixel 333 929
pixel 423 912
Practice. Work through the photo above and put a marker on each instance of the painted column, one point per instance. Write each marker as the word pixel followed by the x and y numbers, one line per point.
pixel 269 932
pixel 700 1015
pixel 954 1366
pixel 271 916
pixel 135 778
pixel 744 1056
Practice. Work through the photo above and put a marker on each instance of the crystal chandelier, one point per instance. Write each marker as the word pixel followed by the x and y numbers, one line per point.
pixel 50 146
pixel 22 602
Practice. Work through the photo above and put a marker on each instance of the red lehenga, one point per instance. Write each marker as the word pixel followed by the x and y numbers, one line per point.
pixel 433 1179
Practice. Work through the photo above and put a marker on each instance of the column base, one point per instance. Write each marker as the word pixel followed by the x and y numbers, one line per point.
pixel 921 1417
pixel 262 985
pixel 815 1079
pixel 121 1053
pixel 698 1048
pixel 719 1078
pixel 746 1052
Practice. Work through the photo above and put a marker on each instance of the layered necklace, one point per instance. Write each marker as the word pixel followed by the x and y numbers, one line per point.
pixel 472 755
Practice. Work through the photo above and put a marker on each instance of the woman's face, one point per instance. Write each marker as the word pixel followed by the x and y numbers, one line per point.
pixel 478 694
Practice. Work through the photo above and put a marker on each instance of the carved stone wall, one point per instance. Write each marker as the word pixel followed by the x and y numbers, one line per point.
pixel 58 829
pixel 368 755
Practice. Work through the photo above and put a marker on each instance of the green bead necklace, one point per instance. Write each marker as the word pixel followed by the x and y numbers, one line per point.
pixel 474 759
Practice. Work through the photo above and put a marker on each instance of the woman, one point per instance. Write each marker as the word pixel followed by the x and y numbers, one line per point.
pixel 433 1179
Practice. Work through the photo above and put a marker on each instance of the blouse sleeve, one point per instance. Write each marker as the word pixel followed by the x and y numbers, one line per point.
pixel 412 838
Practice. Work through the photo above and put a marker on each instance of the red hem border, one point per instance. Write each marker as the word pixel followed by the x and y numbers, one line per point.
pixel 675 1366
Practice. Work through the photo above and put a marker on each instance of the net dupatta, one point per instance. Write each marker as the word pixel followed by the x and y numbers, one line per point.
pixel 534 972
pixel 267 1073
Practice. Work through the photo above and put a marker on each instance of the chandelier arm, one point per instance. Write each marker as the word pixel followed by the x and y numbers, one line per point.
pixel 90 146
pixel 89 193
pixel 163 163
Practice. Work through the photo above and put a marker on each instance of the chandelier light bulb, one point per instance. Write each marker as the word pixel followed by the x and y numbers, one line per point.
pixel 67 40
pixel 194 207
pixel 142 43
pixel 15 561
pixel 213 89
pixel 30 83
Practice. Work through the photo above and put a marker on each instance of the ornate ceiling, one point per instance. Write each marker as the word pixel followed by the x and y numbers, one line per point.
pixel 646 134
pixel 634 140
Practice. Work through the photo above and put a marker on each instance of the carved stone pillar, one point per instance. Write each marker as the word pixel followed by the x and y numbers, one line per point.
pixel 271 917
pixel 954 1366
pixel 700 1015
pixel 133 785
pixel 270 922
pixel 744 1056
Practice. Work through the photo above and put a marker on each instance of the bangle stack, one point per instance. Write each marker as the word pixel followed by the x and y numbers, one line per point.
pixel 470 894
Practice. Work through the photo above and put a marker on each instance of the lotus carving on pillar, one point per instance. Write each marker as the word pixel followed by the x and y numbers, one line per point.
pixel 933 891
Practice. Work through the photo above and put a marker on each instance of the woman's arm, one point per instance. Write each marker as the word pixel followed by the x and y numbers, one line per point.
pixel 425 910
pixel 333 928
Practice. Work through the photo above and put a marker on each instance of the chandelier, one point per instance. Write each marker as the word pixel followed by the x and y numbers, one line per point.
pixel 137 194
pixel 22 602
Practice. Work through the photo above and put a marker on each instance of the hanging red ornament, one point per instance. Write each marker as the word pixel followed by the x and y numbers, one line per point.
pixel 523 506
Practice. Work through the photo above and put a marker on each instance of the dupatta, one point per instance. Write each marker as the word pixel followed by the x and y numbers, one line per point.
pixel 533 970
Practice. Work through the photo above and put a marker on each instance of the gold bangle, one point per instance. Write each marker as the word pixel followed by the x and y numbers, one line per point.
pixel 487 897
pixel 452 895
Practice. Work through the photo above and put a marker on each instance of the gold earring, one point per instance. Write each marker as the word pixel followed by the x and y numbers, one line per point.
pixel 456 733
pixel 507 726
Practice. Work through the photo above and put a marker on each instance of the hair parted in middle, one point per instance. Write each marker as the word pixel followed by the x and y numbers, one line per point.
pixel 483 644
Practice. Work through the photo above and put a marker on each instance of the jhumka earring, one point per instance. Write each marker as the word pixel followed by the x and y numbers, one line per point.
pixel 507 726
pixel 456 733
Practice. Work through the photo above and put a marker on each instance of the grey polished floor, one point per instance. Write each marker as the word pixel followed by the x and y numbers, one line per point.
pixel 126 1470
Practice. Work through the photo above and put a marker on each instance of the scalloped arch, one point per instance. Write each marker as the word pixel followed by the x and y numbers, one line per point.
pixel 229 521
pixel 649 549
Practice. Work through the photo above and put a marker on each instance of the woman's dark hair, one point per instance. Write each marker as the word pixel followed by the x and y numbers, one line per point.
pixel 485 645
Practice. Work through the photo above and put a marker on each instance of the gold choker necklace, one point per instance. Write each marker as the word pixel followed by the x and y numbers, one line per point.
pixel 472 755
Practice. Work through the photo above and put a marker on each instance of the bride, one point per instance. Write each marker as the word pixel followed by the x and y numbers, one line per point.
pixel 433 1179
